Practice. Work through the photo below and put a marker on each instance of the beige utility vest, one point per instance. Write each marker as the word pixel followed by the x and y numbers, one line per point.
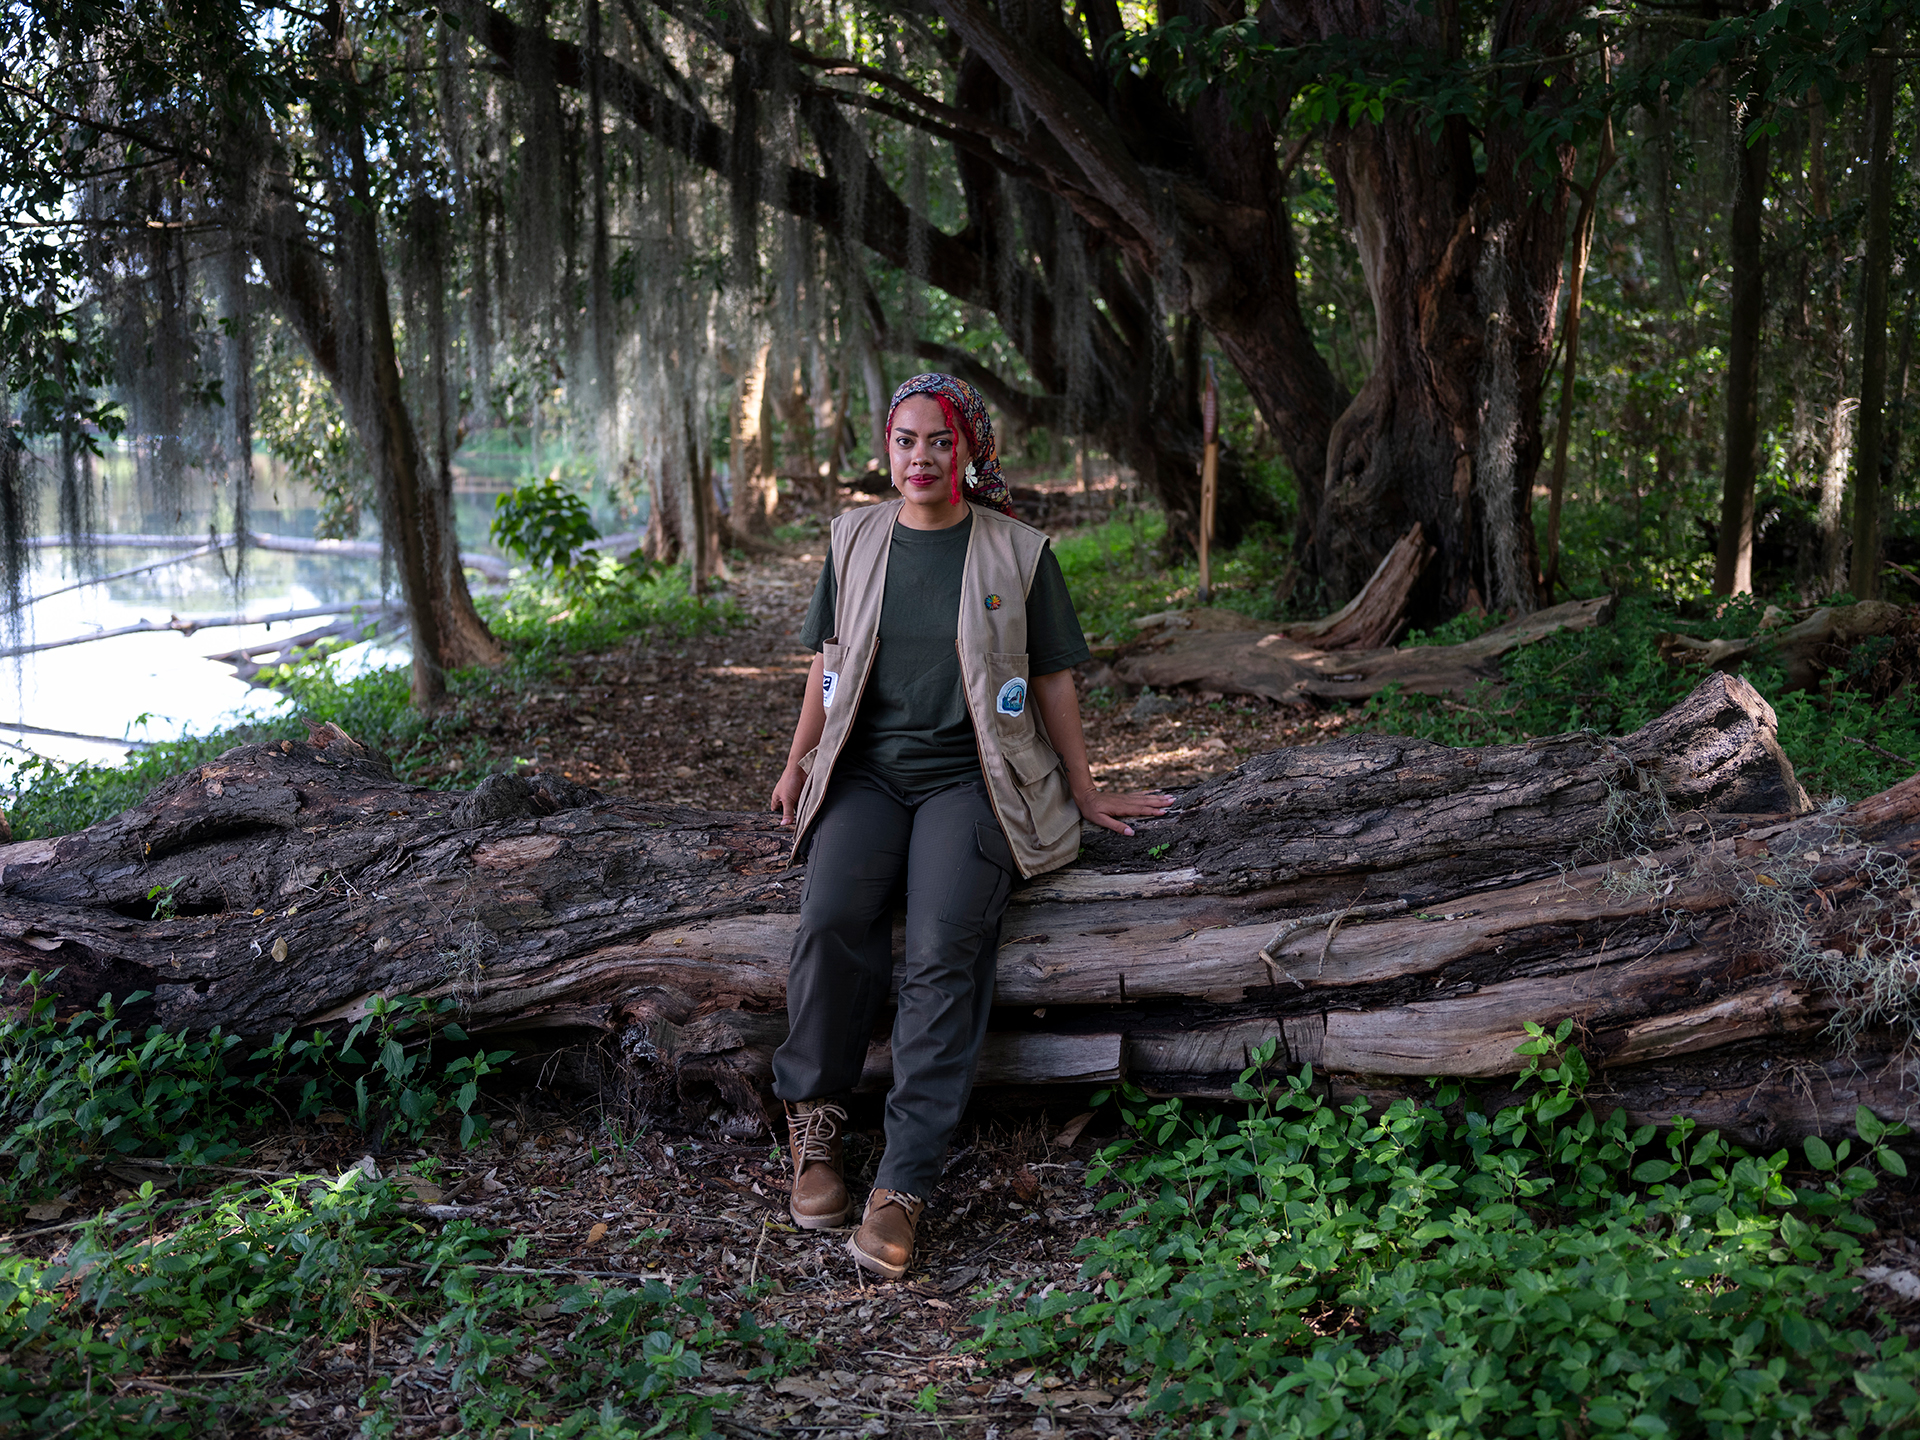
pixel 1025 779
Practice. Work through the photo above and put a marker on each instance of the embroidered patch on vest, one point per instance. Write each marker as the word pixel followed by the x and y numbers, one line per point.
pixel 1013 697
pixel 829 683
pixel 993 602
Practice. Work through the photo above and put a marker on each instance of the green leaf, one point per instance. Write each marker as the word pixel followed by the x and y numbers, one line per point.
pixel 1653 1172
pixel 1868 1125
pixel 1891 1161
pixel 1819 1153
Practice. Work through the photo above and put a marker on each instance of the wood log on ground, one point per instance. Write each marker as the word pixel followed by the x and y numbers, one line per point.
pixel 1806 649
pixel 1219 650
pixel 1383 907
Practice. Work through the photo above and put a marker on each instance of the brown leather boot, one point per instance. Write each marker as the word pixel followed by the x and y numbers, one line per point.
pixel 883 1245
pixel 814 1129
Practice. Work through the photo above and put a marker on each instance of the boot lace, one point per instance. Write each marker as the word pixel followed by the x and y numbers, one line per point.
pixel 812 1132
pixel 905 1201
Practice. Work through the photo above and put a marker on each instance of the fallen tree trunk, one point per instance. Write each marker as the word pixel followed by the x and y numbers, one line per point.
pixel 1377 615
pixel 1805 650
pixel 1381 907
pixel 1219 650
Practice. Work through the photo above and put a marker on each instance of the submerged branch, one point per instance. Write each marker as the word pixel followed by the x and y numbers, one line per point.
pixel 189 624
pixel 492 566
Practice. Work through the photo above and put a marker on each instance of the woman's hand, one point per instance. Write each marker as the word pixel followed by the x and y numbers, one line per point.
pixel 1059 706
pixel 1106 810
pixel 786 794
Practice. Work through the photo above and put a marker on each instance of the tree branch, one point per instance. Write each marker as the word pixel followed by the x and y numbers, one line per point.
pixel 885 222
pixel 1068 112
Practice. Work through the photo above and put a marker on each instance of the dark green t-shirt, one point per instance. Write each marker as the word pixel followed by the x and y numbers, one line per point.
pixel 913 727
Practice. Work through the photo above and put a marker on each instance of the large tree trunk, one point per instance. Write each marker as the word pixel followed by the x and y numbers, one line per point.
pixel 1873 319
pixel 1463 266
pixel 1383 907
pixel 756 490
pixel 1746 316
pixel 346 322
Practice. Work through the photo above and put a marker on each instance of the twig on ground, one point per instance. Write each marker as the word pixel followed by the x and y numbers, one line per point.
pixel 753 1270
pixel 1878 750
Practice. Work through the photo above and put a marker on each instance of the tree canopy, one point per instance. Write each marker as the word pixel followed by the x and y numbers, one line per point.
pixel 359 234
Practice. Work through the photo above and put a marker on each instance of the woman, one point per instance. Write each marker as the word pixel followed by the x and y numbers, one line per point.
pixel 939 743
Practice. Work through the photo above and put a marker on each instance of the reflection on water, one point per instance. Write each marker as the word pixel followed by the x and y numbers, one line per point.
pixel 160 686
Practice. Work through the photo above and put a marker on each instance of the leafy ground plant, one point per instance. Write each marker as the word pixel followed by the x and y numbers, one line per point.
pixel 78 1091
pixel 1427 1270
pixel 164 1317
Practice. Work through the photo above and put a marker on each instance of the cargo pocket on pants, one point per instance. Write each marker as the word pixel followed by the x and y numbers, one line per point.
pixel 982 881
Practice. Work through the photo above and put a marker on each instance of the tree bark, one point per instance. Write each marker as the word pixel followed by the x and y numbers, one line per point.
pixel 1570 361
pixel 1840 418
pixel 1381 906
pixel 1219 650
pixel 1746 315
pixel 1463 266
pixel 1873 319
pixel 755 491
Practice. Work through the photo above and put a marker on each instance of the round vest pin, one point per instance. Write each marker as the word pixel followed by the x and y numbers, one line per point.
pixel 993 602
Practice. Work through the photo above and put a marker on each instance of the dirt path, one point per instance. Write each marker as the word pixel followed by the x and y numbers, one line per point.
pixel 706 721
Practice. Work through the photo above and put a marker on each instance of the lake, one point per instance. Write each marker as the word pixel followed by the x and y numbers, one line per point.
pixel 160 686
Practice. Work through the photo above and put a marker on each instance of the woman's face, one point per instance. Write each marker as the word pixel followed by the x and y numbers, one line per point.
pixel 923 450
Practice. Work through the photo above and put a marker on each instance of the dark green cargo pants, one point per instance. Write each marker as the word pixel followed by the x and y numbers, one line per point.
pixel 949 850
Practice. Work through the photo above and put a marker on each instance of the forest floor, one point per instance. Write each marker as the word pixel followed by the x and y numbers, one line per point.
pixel 706 720
pixel 576 1200
pixel 588 1206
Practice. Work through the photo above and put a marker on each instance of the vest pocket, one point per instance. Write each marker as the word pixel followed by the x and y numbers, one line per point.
pixel 833 661
pixel 1042 782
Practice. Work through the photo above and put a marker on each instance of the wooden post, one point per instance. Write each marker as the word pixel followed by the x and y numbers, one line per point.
pixel 1209 476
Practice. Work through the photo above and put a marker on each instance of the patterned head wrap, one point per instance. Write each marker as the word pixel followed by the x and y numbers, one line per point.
pixel 966 415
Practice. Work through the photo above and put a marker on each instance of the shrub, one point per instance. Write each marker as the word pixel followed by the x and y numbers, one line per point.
pixel 542 524
pixel 77 1091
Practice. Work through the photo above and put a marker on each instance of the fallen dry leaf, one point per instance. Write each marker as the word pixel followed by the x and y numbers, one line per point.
pixel 597 1233
pixel 52 1210
pixel 424 1190
pixel 1070 1131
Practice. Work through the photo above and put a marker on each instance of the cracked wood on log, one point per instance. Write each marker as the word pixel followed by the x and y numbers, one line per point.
pixel 1575 876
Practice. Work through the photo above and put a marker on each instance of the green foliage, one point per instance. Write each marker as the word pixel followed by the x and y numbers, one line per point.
pixel 543 524
pixel 1428 1270
pixel 45 797
pixel 1115 573
pixel 1612 679
pixel 1779 54
pixel 1467 625
pixel 598 603
pixel 299 421
pixel 76 1091
pixel 238 1290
